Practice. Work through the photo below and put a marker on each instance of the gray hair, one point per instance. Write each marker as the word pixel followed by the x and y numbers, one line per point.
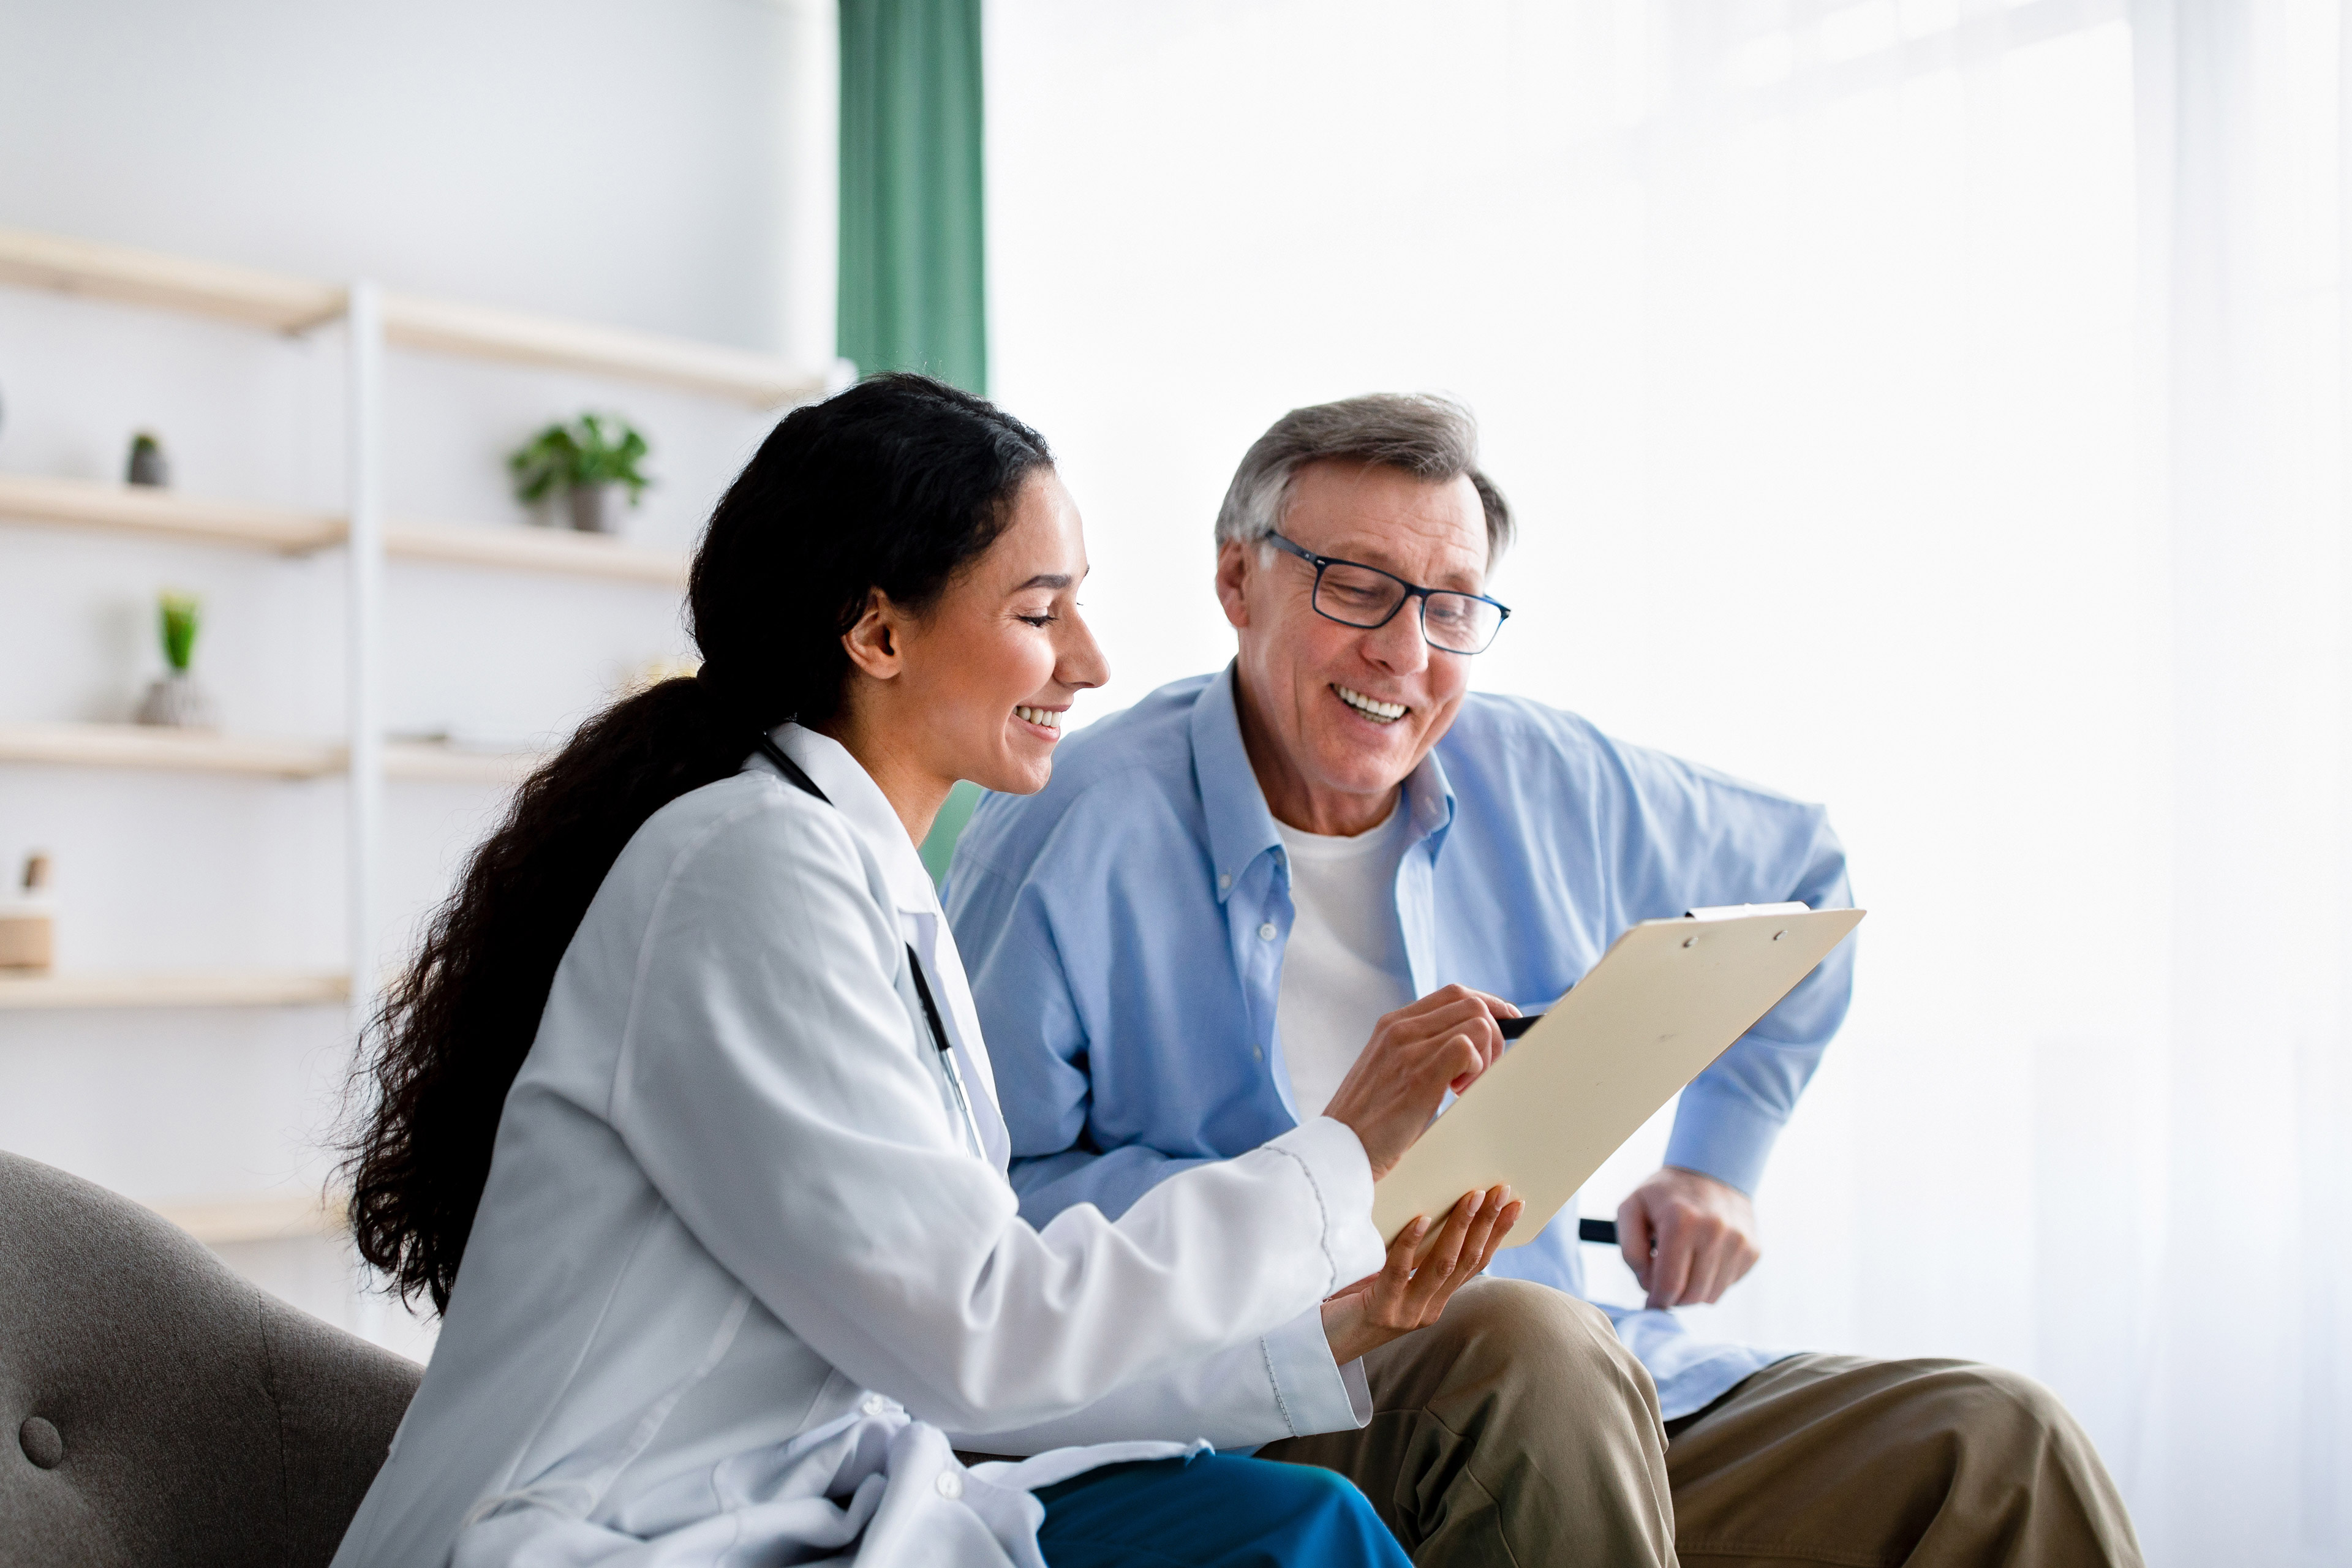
pixel 1431 438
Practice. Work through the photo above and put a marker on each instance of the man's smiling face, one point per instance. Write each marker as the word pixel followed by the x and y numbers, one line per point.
pixel 1335 717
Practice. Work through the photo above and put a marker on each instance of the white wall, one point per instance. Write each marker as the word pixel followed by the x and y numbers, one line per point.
pixel 666 166
pixel 1833 356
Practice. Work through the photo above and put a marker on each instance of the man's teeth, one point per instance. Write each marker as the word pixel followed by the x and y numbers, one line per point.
pixel 1380 713
pixel 1047 717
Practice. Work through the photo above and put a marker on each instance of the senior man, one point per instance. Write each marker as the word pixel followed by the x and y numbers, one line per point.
pixel 1182 945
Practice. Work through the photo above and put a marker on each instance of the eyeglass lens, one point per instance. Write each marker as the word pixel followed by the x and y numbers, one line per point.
pixel 1359 596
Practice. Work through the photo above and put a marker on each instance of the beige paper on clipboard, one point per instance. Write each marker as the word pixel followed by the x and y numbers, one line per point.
pixel 1666 999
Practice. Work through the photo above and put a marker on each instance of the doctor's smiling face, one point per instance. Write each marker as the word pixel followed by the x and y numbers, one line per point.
pixel 1335 717
pixel 976 685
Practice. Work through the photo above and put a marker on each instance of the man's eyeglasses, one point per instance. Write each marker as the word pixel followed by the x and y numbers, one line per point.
pixel 1357 596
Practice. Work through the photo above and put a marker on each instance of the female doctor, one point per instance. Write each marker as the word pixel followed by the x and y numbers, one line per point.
pixel 687 1077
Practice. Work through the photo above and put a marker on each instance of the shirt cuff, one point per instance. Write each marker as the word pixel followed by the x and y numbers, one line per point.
pixel 1342 1174
pixel 1314 1393
pixel 1721 1133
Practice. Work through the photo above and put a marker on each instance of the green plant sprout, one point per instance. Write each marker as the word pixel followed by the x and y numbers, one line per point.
pixel 179 619
pixel 589 451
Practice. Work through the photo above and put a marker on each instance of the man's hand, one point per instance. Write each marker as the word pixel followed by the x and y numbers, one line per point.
pixel 1417 1053
pixel 1702 1232
pixel 1400 1298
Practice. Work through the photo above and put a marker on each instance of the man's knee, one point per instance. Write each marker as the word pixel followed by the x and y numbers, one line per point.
pixel 2007 1412
pixel 1552 1348
pixel 1991 1404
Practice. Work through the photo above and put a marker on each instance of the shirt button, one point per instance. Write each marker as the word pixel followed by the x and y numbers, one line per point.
pixel 950 1485
pixel 1265 931
pixel 1225 880
pixel 875 1404
pixel 1257 1052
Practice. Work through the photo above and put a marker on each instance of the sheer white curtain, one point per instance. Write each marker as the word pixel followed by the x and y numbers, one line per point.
pixel 1933 409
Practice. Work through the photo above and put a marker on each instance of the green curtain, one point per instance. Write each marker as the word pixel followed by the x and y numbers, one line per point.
pixel 913 292
pixel 938 850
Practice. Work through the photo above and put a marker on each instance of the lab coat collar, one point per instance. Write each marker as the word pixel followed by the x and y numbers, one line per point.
pixel 1241 826
pixel 832 768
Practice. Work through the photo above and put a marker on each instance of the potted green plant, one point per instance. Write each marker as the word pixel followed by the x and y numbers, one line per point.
pixel 590 461
pixel 176 699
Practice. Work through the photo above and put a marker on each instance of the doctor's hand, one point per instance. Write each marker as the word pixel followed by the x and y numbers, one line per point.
pixel 1400 1298
pixel 1702 1232
pixel 1417 1053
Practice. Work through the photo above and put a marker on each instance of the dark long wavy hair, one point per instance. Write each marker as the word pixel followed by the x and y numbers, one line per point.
pixel 896 484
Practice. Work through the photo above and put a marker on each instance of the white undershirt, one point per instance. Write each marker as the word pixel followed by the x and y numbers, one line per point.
pixel 1344 965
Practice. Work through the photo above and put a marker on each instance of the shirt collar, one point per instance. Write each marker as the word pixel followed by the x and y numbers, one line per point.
pixel 846 783
pixel 1241 827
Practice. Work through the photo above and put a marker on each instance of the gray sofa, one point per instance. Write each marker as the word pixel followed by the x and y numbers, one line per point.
pixel 155 1408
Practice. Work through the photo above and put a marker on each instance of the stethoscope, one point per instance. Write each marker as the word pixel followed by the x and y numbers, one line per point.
pixel 793 771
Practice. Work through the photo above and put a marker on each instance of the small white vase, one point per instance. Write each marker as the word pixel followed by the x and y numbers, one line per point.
pixel 596 509
pixel 177 702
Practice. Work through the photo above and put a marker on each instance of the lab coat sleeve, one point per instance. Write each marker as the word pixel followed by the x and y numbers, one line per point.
pixel 772 1085
pixel 1280 1384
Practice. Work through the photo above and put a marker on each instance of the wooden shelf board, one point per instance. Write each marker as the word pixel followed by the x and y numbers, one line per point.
pixel 167 514
pixel 417 761
pixel 126 274
pixel 132 277
pixel 481 332
pixel 259 1217
pixel 191 988
pixel 194 751
pixel 178 751
pixel 162 513
pixel 534 549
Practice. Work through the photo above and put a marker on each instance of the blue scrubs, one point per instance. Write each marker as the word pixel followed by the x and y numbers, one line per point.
pixel 1213 1510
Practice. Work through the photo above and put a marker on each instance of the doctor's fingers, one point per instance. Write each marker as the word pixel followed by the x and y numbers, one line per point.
pixel 1454 1009
pixel 1505 1222
pixel 1481 1227
pixel 1497 1211
pixel 1419 1300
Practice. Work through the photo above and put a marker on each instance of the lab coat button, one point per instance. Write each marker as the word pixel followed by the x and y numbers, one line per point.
pixel 1265 931
pixel 950 1485
pixel 875 1404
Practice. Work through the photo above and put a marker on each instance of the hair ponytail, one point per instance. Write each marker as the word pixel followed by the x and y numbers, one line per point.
pixel 896 484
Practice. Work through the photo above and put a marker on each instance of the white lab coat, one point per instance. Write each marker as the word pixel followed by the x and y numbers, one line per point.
pixel 738 1272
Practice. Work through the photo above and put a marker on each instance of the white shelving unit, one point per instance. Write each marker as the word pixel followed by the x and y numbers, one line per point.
pixel 373 320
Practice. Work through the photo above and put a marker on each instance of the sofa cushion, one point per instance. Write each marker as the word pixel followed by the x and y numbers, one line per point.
pixel 155 1408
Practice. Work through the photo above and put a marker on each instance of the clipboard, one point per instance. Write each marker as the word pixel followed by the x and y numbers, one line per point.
pixel 1665 1001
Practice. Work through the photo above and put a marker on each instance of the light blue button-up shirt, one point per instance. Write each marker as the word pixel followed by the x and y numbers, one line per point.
pixel 1124 931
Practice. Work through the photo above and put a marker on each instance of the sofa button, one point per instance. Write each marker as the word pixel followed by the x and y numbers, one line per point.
pixel 41 1443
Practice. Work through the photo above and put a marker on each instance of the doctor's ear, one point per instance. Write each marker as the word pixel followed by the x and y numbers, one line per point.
pixel 876 644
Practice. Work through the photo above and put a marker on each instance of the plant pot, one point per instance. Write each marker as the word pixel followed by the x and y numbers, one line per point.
pixel 147 464
pixel 178 702
pixel 596 509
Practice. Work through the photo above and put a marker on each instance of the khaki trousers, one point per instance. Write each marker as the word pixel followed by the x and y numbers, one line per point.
pixel 1518 1431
